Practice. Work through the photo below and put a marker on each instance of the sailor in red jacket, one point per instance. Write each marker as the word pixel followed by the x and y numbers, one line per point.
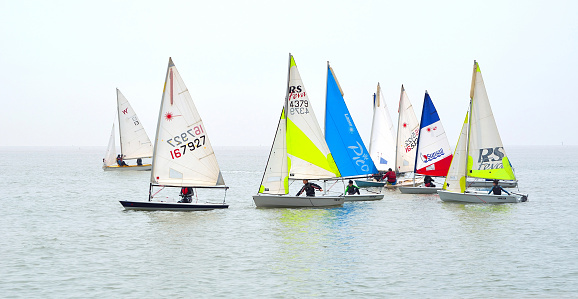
pixel 391 177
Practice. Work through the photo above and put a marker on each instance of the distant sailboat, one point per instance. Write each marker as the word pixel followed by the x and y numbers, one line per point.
pixel 134 141
pixel 479 152
pixel 347 147
pixel 299 151
pixel 183 155
pixel 434 155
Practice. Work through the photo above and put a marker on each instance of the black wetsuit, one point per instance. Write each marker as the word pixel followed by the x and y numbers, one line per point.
pixel 497 190
pixel 309 189
pixel 351 190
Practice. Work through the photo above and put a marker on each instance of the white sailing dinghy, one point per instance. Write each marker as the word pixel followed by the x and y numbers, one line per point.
pixel 382 141
pixel 134 141
pixel 183 155
pixel 298 152
pixel 343 140
pixel 407 136
pixel 434 155
pixel 479 152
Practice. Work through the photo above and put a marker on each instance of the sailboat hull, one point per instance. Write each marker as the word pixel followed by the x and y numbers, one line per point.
pixel 363 197
pixel 281 201
pixel 170 206
pixel 475 197
pixel 144 167
pixel 419 190
pixel 369 184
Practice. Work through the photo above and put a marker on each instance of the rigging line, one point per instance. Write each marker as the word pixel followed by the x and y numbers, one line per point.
pixel 158 192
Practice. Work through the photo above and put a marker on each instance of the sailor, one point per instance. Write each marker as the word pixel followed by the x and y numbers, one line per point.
pixel 139 162
pixel 309 188
pixel 186 194
pixel 351 189
pixel 497 189
pixel 391 177
pixel 119 161
pixel 428 181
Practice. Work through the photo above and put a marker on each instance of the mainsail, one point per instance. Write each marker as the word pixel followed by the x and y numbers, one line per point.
pixel 407 133
pixel 382 142
pixel 134 142
pixel 341 135
pixel 183 155
pixel 110 156
pixel 309 156
pixel 433 154
pixel 486 155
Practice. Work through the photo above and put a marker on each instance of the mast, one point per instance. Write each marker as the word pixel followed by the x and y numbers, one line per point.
pixel 286 106
pixel 397 135
pixel 470 118
pixel 373 118
pixel 159 121
pixel 418 137
pixel 119 130
pixel 325 115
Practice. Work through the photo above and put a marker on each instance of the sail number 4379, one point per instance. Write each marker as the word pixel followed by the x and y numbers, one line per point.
pixel 299 107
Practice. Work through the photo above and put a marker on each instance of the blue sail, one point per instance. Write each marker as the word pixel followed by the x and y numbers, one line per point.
pixel 341 135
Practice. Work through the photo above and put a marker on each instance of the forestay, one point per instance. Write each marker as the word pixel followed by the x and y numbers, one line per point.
pixel 347 148
pixel 183 155
pixel 407 134
pixel 134 142
pixel 110 156
pixel 434 153
pixel 382 142
pixel 276 177
pixel 487 157
pixel 309 156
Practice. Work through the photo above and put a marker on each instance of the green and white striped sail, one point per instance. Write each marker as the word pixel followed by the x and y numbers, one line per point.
pixel 309 155
pixel 134 141
pixel 276 176
pixel 486 155
pixel 183 155
pixel 456 177
pixel 407 132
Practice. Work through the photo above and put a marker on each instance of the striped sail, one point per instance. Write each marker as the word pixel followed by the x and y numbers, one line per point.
pixel 183 155
pixel 341 135
pixel 434 153
pixel 407 134
pixel 486 155
pixel 382 142
pixel 309 156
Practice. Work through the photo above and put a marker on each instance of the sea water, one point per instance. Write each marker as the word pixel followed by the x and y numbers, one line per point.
pixel 64 234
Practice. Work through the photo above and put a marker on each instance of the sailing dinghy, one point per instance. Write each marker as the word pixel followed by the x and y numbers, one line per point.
pixel 434 155
pixel 382 141
pixel 346 146
pixel 299 151
pixel 134 141
pixel 479 153
pixel 183 155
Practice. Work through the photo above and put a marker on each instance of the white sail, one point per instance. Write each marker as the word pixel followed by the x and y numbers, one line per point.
pixel 134 142
pixel 456 177
pixel 407 133
pixel 489 159
pixel 183 155
pixel 110 156
pixel 309 155
pixel 382 143
pixel 276 176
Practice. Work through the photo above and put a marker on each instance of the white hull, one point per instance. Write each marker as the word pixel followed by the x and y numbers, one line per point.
pixel 419 190
pixel 363 197
pixel 406 183
pixel 130 167
pixel 284 201
pixel 474 197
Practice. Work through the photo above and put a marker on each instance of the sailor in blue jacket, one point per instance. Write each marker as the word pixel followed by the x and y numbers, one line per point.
pixel 497 189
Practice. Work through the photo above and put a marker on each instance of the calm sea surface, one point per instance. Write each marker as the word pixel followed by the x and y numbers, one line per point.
pixel 64 234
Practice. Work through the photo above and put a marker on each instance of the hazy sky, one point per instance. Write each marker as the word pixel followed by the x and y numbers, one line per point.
pixel 60 62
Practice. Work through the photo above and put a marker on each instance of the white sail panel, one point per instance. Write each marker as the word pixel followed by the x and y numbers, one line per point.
pixel 276 176
pixel 183 155
pixel 456 177
pixel 134 141
pixel 110 156
pixel 407 133
pixel 308 152
pixel 486 151
pixel 382 142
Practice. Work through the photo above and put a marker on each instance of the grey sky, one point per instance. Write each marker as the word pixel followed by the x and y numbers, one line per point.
pixel 60 62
